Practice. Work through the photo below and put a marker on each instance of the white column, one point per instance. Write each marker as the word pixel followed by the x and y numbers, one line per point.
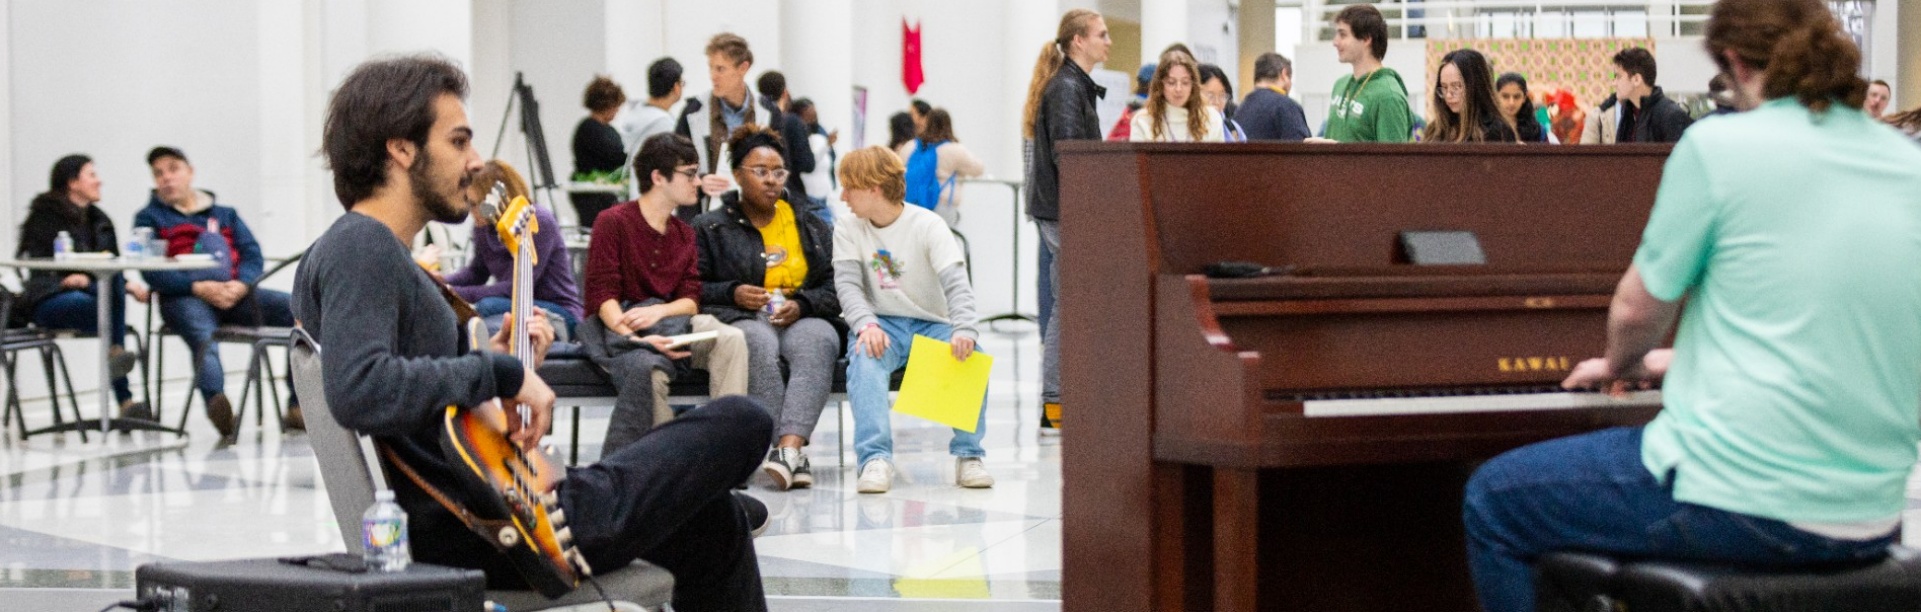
pixel 1163 22
pixel 817 55
pixel 286 145
pixel 11 217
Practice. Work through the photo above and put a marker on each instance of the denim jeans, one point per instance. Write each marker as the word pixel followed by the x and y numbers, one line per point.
pixel 867 379
pixel 1051 330
pixel 822 210
pixel 494 309
pixel 1592 493
pixel 195 320
pixel 1044 286
pixel 76 309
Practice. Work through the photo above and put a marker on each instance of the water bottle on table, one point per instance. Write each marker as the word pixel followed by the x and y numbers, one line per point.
pixel 62 246
pixel 384 531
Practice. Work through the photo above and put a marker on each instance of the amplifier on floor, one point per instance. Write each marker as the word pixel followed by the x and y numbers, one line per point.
pixel 327 583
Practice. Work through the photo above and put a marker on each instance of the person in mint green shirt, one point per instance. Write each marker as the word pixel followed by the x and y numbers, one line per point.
pixel 1784 239
pixel 1371 104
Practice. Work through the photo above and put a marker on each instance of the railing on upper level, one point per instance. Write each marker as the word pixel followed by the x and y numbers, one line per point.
pixel 1549 18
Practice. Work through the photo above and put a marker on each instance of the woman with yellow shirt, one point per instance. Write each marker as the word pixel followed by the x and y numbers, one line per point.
pixel 770 273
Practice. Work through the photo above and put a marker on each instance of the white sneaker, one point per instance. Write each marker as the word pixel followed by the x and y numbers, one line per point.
pixel 971 473
pixel 876 476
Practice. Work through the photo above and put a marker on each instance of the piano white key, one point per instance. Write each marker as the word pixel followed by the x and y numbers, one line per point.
pixel 1393 406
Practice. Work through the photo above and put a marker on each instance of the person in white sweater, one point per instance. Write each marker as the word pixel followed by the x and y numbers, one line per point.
pixel 953 162
pixel 1173 112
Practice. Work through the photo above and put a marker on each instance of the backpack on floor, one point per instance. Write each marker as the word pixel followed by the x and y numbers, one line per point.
pixel 924 187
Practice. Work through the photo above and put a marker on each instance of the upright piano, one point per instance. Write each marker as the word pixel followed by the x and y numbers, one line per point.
pixel 1299 441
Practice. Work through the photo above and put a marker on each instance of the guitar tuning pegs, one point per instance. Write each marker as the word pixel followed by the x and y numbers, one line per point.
pixel 557 517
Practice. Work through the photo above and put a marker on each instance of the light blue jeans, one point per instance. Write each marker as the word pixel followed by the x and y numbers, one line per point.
pixel 867 379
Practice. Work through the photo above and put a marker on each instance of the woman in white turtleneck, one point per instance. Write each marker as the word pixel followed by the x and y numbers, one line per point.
pixel 1173 112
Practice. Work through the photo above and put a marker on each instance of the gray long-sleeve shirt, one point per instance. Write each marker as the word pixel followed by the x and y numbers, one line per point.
pixel 848 283
pixel 393 358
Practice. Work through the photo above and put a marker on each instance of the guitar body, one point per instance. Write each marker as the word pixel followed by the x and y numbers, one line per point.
pixel 503 484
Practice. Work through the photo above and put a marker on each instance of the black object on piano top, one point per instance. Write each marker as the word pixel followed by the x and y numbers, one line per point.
pixel 328 585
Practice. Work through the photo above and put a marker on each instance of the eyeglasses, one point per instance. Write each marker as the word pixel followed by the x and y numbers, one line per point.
pixel 1453 89
pixel 692 174
pixel 1214 98
pixel 762 173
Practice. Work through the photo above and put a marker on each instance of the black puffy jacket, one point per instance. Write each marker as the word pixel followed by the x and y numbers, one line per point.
pixel 51 213
pixel 730 256
pixel 1066 113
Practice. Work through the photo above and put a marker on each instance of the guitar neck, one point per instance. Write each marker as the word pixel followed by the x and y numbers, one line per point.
pixel 523 300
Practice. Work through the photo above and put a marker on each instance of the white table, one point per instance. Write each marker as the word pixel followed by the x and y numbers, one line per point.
pixel 100 270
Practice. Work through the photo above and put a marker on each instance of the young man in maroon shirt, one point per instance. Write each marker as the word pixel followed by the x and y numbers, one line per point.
pixel 643 284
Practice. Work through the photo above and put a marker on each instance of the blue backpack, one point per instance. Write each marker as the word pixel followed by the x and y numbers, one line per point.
pixel 924 186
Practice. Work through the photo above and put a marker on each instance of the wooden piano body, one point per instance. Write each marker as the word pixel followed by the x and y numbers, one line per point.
pixel 1299 442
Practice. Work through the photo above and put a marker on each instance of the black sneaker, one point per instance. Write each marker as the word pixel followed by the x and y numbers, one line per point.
pixel 136 410
pixel 756 512
pixel 788 468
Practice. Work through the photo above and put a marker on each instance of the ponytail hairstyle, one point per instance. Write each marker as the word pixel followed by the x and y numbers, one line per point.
pixel 1198 115
pixel 1908 122
pixel 1796 44
pixel 1054 54
pixel 1477 102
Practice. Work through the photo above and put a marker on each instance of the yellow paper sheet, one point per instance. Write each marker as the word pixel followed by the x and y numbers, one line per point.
pixel 940 389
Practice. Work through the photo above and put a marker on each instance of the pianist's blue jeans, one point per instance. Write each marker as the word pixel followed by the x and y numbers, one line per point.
pixel 867 380
pixel 1592 493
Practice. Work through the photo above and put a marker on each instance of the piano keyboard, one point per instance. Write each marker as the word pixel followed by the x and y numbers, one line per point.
pixel 1458 404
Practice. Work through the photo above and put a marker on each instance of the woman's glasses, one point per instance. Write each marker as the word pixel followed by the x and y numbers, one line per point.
pixel 777 174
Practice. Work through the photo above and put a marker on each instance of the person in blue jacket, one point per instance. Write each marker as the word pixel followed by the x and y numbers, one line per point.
pixel 196 302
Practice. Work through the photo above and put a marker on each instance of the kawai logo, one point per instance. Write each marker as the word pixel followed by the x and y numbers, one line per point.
pixel 1533 364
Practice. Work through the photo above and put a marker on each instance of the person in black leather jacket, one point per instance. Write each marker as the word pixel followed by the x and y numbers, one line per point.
pixel 1060 107
pixel 766 267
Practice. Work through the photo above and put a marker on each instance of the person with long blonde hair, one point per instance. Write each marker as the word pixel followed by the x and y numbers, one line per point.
pixel 1174 112
pixel 488 279
pixel 1779 239
pixel 1060 107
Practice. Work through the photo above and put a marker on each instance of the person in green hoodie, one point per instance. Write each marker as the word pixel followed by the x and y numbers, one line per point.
pixel 1371 104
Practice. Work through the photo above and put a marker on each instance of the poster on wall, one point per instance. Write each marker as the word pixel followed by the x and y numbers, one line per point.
pixel 860 117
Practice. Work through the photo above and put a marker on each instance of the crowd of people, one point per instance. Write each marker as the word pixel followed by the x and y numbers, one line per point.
pixel 731 233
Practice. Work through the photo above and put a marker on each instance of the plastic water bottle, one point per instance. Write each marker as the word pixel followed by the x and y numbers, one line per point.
pixel 384 531
pixel 775 299
pixel 62 246
pixel 136 250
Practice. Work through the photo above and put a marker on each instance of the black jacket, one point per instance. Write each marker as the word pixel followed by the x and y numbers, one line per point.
pixel 50 214
pixel 1066 113
pixel 597 147
pixel 1265 114
pixel 1658 119
pixel 730 256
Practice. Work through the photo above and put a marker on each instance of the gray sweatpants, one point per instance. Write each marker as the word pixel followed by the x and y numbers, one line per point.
pixel 811 348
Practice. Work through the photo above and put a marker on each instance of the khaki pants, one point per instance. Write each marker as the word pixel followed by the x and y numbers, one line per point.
pixel 724 359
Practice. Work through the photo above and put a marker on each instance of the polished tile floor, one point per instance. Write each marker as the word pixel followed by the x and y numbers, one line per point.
pixel 77 518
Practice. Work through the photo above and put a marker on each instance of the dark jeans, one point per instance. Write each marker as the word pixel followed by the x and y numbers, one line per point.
pixel 1044 285
pixel 78 310
pixel 667 498
pixel 195 320
pixel 1592 493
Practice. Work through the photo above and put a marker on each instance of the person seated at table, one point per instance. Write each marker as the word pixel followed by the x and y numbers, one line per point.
pixel 643 280
pixel 899 273
pixel 196 302
pixel 488 280
pixel 65 299
pixel 767 269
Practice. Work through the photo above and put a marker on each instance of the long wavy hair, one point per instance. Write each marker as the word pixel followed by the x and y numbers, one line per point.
pixel 1477 102
pixel 1053 55
pixel 1197 110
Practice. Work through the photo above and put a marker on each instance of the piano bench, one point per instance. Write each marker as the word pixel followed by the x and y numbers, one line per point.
pixel 1587 582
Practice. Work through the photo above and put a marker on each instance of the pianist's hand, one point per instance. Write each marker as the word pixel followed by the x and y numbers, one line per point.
pixel 1594 375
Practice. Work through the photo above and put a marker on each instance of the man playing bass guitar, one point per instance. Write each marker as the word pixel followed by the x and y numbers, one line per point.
pixel 400 147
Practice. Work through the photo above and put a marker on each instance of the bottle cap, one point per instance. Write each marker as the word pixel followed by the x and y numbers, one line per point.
pixel 384 495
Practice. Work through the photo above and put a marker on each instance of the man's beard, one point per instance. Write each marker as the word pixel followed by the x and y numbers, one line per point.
pixel 437 204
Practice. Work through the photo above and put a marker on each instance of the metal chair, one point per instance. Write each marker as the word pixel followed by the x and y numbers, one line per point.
pixel 15 340
pixel 260 372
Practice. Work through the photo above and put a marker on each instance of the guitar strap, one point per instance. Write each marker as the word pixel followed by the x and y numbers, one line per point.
pixel 486 529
